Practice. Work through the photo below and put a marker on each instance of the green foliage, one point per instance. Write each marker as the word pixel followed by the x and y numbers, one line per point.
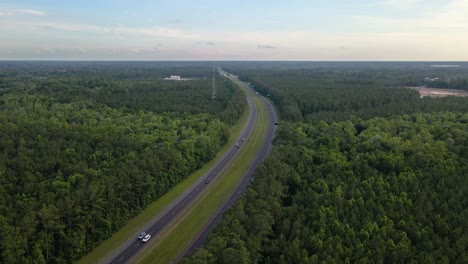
pixel 375 174
pixel 86 146
pixel 337 94
pixel 128 85
pixel 71 174
pixel 383 190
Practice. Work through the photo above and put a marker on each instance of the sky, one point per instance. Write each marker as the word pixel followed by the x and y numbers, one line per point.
pixel 316 30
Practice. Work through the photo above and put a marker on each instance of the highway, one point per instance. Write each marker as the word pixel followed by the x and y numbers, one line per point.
pixel 248 177
pixel 130 249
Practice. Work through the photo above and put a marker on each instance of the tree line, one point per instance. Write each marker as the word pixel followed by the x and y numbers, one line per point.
pixel 337 95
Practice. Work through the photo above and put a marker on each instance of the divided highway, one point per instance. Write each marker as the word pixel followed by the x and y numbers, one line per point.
pixel 130 249
pixel 248 177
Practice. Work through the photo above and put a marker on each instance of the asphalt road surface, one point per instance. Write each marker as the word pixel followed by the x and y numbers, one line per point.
pixel 130 249
pixel 248 176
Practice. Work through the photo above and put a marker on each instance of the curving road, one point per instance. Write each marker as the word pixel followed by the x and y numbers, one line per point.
pixel 248 176
pixel 131 248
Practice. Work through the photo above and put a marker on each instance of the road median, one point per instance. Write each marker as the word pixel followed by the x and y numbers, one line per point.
pixel 179 234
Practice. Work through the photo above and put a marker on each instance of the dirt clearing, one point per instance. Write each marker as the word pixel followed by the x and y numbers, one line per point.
pixel 435 92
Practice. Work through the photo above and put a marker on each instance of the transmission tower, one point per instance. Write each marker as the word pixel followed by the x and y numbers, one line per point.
pixel 213 91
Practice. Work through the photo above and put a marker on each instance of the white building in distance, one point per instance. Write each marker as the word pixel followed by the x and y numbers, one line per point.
pixel 173 78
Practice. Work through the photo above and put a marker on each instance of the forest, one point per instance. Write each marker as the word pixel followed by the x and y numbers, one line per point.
pixel 126 85
pixel 86 146
pixel 338 94
pixel 361 172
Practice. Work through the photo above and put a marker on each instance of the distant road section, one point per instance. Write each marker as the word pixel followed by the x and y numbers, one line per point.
pixel 131 248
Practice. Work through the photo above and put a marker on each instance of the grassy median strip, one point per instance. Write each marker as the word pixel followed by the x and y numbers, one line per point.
pixel 170 243
pixel 138 222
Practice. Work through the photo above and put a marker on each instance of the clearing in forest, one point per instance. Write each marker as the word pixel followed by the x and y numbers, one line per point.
pixel 436 92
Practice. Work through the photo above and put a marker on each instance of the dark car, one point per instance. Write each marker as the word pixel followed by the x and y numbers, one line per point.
pixel 142 235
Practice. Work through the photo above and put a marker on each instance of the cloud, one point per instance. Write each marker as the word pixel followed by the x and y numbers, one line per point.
pixel 153 32
pixel 449 17
pixel 32 12
pixel 435 32
pixel 400 3
pixel 266 47
pixel 72 27
pixel 119 30
pixel 16 12
pixel 203 43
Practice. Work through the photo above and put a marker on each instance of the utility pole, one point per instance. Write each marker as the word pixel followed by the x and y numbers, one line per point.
pixel 213 91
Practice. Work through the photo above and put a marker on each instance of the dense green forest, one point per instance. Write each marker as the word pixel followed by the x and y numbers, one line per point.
pixel 389 74
pixel 85 147
pixel 376 191
pixel 127 85
pixel 340 94
pixel 362 171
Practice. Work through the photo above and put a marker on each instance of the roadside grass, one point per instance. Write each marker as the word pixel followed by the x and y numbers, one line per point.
pixel 177 237
pixel 139 221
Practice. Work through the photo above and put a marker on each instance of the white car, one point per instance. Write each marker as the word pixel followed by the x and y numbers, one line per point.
pixel 146 238
pixel 142 235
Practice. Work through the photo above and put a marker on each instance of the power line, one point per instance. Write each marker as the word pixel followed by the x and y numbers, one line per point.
pixel 213 90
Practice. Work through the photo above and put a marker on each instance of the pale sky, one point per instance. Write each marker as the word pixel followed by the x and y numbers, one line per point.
pixel 234 30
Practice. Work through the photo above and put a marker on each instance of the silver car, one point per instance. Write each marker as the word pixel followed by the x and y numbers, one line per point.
pixel 146 238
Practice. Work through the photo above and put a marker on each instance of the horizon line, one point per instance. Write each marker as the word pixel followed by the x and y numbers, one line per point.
pixel 207 60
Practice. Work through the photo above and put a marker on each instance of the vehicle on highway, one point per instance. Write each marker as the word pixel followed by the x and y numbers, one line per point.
pixel 146 238
pixel 190 197
pixel 276 124
pixel 142 235
pixel 243 139
pixel 256 93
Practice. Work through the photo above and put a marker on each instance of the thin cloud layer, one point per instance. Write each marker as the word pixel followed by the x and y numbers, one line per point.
pixel 32 12
pixel 118 30
pixel 266 47
pixel 14 12
pixel 373 31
